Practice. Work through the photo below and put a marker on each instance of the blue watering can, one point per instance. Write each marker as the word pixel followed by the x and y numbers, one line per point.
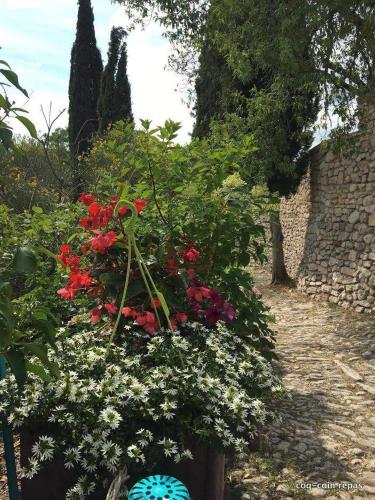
pixel 159 488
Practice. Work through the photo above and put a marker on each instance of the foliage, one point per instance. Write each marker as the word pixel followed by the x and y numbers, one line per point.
pixel 160 344
pixel 9 109
pixel 114 82
pixel 43 232
pixel 106 106
pixel 132 409
pixel 20 339
pixel 123 104
pixel 30 178
pixel 84 84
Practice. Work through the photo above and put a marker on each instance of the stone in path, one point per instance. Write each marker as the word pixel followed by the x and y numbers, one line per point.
pixel 327 432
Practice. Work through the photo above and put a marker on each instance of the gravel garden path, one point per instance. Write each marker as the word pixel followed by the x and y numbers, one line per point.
pixel 327 434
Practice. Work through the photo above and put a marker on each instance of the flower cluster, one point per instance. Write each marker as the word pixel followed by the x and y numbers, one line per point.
pixel 130 408
pixel 201 301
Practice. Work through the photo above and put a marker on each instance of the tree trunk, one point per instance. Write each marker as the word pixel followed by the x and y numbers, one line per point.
pixel 279 272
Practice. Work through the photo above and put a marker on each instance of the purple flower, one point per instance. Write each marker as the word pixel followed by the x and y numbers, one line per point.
pixel 229 311
pixel 213 315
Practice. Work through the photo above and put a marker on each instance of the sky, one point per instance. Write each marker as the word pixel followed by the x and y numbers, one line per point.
pixel 36 37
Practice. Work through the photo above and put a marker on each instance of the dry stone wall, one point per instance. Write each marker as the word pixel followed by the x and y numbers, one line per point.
pixel 329 227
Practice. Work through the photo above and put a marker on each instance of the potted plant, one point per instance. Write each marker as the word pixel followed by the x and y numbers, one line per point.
pixel 169 369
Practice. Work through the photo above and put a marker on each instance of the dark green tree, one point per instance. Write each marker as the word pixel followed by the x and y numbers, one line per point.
pixel 122 100
pixel 106 103
pixel 278 114
pixel 85 73
pixel 84 84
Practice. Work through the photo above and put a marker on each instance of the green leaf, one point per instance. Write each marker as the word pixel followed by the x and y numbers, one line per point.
pixel 46 252
pixel 4 103
pixel 135 289
pixel 12 77
pixel 17 364
pixel 111 279
pixel 29 125
pixel 38 370
pixel 6 136
pixel 163 303
pixel 45 328
pixel 5 63
pixel 39 350
pixel 25 260
pixel 6 327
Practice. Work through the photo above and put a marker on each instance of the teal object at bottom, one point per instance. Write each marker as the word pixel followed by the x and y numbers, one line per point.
pixel 159 488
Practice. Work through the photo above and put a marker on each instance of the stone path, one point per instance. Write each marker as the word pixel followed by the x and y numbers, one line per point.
pixel 327 434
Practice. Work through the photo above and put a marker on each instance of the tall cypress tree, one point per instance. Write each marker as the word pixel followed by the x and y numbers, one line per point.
pixel 122 100
pixel 106 103
pixel 84 84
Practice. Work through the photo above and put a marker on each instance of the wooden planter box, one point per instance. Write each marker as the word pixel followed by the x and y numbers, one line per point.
pixel 204 476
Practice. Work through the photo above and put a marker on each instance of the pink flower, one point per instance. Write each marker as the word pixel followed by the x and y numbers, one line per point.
pixel 128 312
pixel 148 322
pixel 191 255
pixel 181 317
pixel 111 308
pixel 95 315
pixel 67 293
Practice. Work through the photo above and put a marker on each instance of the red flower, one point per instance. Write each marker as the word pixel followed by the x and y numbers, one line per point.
pixel 86 222
pixel 94 209
pixel 70 262
pixel 113 201
pixel 173 324
pixel 215 297
pixel 65 249
pixel 102 242
pixel 191 255
pixel 111 308
pixel 67 293
pixel 87 198
pixel 140 205
pixel 148 322
pixel 99 216
pixel 128 312
pixel 172 267
pixel 181 317
pixel 95 315
pixel 122 211
pixel 213 315
pixel 80 279
pixel 84 249
pixel 198 293
pixel 156 303
pixel 191 274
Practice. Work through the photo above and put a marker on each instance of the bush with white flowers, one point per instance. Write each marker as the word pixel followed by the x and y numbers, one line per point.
pixel 143 403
